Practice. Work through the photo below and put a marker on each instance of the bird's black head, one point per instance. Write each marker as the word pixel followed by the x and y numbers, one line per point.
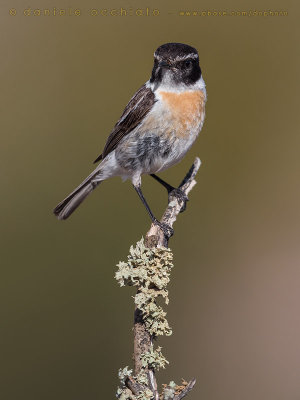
pixel 175 64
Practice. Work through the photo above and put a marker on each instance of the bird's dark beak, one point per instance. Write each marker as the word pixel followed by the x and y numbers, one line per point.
pixel 164 64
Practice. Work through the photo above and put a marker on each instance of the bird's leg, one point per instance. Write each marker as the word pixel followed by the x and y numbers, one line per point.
pixel 167 230
pixel 164 183
pixel 172 191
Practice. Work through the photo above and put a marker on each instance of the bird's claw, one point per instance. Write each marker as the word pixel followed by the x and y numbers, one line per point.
pixel 167 230
pixel 181 196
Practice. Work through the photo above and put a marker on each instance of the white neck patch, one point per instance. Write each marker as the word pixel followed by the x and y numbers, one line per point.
pixel 168 85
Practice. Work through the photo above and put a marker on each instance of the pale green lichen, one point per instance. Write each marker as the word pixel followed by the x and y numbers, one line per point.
pixel 149 270
pixel 154 359
pixel 142 378
pixel 124 373
pixel 169 391
pixel 123 393
pixel 145 395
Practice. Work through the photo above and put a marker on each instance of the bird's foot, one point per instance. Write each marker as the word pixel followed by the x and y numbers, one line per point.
pixel 180 196
pixel 167 230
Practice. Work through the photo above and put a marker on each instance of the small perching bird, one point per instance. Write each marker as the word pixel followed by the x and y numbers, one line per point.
pixel 158 126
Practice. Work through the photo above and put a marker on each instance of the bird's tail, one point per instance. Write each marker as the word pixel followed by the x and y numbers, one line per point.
pixel 66 207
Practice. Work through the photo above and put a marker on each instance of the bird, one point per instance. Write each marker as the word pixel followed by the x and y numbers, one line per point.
pixel 157 128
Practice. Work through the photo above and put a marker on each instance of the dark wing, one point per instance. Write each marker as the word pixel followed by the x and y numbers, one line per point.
pixel 135 111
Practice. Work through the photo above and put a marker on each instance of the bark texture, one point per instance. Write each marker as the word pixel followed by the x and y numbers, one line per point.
pixel 156 237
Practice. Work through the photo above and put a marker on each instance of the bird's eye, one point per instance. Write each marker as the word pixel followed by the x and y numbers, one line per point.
pixel 188 63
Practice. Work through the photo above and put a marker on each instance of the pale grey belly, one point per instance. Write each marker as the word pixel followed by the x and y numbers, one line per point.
pixel 150 153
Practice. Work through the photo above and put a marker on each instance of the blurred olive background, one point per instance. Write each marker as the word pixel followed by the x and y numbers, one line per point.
pixel 65 324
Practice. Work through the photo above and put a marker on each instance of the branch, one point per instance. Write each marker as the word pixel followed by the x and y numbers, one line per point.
pixel 134 386
pixel 155 236
pixel 186 390
pixel 136 272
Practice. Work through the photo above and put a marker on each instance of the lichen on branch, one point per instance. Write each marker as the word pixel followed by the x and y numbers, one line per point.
pixel 148 270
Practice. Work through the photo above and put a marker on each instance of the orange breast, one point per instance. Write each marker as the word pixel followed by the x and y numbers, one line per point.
pixel 187 108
